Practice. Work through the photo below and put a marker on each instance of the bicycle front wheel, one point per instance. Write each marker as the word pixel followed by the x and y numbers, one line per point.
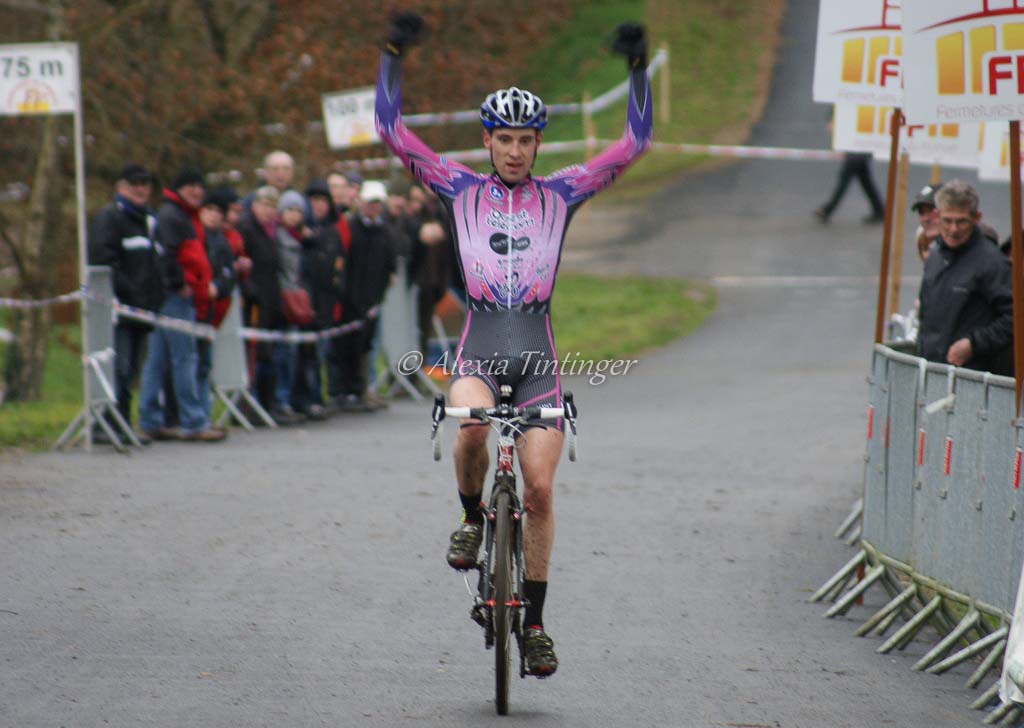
pixel 502 597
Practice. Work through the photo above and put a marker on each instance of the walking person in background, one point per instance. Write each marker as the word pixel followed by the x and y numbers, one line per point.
pixel 188 276
pixel 856 165
pixel 122 236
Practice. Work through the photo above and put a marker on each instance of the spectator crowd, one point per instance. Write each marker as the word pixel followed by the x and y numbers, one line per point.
pixel 300 261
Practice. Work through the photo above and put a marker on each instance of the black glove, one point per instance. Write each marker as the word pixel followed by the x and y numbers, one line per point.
pixel 630 40
pixel 406 30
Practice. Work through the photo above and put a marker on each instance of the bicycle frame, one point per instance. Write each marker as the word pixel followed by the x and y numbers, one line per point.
pixel 506 563
pixel 504 482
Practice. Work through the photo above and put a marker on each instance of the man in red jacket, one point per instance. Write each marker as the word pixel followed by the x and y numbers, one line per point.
pixel 187 278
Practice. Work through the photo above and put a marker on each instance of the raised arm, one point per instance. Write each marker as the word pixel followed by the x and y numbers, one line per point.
pixel 582 181
pixel 445 177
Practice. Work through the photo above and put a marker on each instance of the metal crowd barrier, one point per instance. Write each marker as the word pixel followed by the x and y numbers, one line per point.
pixel 942 516
pixel 229 374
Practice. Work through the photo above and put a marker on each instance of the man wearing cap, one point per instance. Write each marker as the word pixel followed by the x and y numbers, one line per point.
pixel 121 236
pixel 371 269
pixel 928 218
pixel 188 277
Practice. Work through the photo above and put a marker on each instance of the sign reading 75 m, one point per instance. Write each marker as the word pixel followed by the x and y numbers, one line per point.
pixel 39 78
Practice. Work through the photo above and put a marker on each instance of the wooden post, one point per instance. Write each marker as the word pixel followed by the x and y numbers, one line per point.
pixel 897 237
pixel 1017 259
pixel 936 174
pixel 664 102
pixel 890 193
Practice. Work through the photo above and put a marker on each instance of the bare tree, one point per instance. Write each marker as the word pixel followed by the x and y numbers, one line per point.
pixel 26 357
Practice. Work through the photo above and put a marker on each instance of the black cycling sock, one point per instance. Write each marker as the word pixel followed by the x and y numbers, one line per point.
pixel 471 507
pixel 534 593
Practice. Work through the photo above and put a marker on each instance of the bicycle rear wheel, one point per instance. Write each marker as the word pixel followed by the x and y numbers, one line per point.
pixel 502 596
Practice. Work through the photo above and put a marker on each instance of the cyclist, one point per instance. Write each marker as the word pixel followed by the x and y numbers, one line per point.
pixel 509 228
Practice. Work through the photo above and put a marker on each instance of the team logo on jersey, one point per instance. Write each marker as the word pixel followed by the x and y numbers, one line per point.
pixel 499 243
pixel 509 223
pixel 496 192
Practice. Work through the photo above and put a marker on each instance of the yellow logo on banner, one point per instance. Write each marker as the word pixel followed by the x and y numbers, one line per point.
pixel 876 120
pixel 970 61
pixel 32 98
pixel 873 59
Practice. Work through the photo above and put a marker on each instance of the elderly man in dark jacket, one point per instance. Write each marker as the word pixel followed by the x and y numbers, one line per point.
pixel 121 236
pixel 966 293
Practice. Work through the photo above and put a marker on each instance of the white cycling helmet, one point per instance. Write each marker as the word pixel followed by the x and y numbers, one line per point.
pixel 514 108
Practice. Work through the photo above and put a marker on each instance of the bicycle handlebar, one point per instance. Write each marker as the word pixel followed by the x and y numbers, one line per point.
pixel 506 413
pixel 508 416
pixel 486 413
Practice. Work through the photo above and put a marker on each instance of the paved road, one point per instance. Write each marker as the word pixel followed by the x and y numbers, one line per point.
pixel 296 578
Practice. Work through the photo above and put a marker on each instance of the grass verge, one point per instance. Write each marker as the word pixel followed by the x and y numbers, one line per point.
pixel 610 318
pixel 37 425
pixel 721 55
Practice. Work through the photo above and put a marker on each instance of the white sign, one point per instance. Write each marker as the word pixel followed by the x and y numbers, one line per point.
pixel 994 162
pixel 859 53
pixel 349 118
pixel 965 60
pixel 864 128
pixel 38 78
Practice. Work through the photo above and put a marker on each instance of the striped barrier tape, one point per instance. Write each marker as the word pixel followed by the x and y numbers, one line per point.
pixel 22 304
pixel 601 103
pixel 199 330
pixel 208 332
pixel 744 152
pixel 710 150
pixel 306 337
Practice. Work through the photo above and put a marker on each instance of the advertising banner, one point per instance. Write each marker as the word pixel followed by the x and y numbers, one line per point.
pixel 863 128
pixel 964 60
pixel 994 162
pixel 859 53
pixel 348 118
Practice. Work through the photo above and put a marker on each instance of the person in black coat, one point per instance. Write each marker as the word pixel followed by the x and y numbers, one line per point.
pixel 966 292
pixel 121 236
pixel 370 270
pixel 322 271
pixel 261 291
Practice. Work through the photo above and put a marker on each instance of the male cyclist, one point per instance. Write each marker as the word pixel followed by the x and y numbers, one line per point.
pixel 509 228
